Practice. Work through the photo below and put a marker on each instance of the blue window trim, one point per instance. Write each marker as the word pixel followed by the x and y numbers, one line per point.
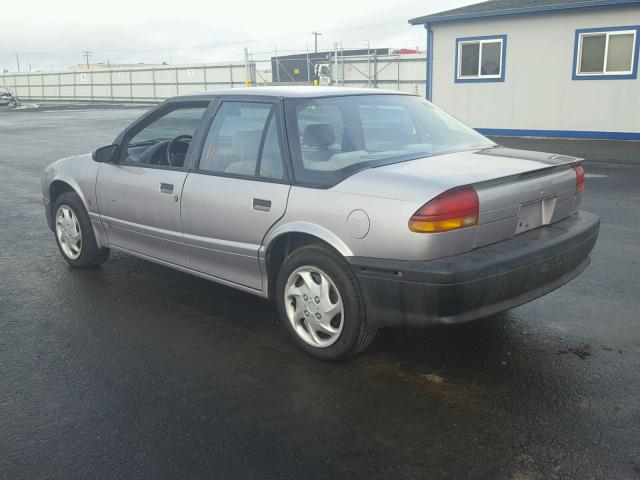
pixel 480 79
pixel 508 132
pixel 634 68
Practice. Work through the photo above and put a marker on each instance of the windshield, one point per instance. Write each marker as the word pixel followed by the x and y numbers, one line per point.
pixel 337 136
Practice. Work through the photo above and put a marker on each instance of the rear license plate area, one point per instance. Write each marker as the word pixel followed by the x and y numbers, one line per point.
pixel 530 217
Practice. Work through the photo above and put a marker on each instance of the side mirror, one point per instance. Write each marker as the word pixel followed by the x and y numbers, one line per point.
pixel 106 154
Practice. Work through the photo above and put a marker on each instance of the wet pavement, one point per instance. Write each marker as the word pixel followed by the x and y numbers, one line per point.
pixel 134 370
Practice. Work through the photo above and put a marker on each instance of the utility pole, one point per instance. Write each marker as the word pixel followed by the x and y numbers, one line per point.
pixel 86 54
pixel 335 64
pixel 315 40
pixel 308 69
pixel 247 77
pixel 18 62
pixel 368 63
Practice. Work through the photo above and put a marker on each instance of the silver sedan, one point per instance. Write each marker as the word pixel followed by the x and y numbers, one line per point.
pixel 353 209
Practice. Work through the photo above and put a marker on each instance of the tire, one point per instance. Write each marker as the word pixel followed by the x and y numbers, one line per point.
pixel 351 333
pixel 84 253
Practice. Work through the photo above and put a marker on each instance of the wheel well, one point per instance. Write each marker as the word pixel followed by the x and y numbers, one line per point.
pixel 281 248
pixel 57 188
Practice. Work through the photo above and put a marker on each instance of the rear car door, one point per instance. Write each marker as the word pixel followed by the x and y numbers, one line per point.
pixel 139 195
pixel 237 190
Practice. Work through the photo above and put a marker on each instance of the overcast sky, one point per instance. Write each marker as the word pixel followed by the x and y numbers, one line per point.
pixel 51 34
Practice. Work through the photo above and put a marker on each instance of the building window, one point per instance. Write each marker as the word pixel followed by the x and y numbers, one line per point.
pixel 606 53
pixel 480 59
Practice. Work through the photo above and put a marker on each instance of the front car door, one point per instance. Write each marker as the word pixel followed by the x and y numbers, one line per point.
pixel 139 195
pixel 237 190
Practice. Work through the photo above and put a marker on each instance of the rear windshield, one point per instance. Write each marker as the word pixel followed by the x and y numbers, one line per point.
pixel 332 138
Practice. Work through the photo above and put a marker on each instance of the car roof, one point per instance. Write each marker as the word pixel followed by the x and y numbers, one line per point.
pixel 290 92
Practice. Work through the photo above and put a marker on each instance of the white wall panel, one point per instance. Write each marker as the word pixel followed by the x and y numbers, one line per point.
pixel 538 92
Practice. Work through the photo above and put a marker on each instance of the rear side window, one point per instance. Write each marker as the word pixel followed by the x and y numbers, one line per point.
pixel 244 140
pixel 270 162
pixel 233 142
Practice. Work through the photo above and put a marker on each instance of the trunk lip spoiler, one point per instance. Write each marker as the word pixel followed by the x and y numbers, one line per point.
pixel 528 174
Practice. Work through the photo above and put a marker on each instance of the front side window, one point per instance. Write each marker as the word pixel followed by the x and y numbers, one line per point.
pixel 610 53
pixel 480 59
pixel 166 140
pixel 332 138
pixel 244 140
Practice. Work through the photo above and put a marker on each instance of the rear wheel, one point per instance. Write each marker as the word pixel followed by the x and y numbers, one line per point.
pixel 74 233
pixel 320 304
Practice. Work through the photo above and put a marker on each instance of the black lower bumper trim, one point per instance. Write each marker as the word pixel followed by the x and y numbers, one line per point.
pixel 478 283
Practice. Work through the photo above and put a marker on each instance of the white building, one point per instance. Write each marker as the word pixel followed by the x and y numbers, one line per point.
pixel 557 68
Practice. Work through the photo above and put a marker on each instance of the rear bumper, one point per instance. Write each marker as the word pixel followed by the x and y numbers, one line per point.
pixel 478 283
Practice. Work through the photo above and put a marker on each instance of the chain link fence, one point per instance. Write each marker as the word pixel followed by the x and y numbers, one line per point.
pixel 374 68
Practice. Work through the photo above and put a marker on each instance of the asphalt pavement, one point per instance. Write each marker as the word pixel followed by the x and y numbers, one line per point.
pixel 138 371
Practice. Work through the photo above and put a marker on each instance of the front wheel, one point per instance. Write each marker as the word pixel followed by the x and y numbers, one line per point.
pixel 74 233
pixel 320 304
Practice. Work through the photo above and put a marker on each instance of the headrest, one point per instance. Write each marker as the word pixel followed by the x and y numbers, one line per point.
pixel 318 135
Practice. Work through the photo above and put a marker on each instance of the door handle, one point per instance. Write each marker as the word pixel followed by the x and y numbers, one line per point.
pixel 262 205
pixel 166 188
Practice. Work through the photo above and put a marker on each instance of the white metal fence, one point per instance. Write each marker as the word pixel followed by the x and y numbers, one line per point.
pixel 133 85
pixel 154 84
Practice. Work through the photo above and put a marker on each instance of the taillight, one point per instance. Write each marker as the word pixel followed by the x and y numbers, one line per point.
pixel 579 179
pixel 451 210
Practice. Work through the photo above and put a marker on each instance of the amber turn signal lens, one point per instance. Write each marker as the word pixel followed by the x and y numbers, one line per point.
pixel 443 225
pixel 579 179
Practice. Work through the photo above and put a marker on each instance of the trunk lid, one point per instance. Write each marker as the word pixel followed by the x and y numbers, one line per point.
pixel 518 190
pixel 478 168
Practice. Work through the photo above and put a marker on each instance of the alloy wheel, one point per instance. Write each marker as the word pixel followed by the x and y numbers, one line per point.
pixel 314 307
pixel 68 232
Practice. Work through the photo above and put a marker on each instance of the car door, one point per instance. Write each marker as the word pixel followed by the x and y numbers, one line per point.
pixel 237 191
pixel 139 195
